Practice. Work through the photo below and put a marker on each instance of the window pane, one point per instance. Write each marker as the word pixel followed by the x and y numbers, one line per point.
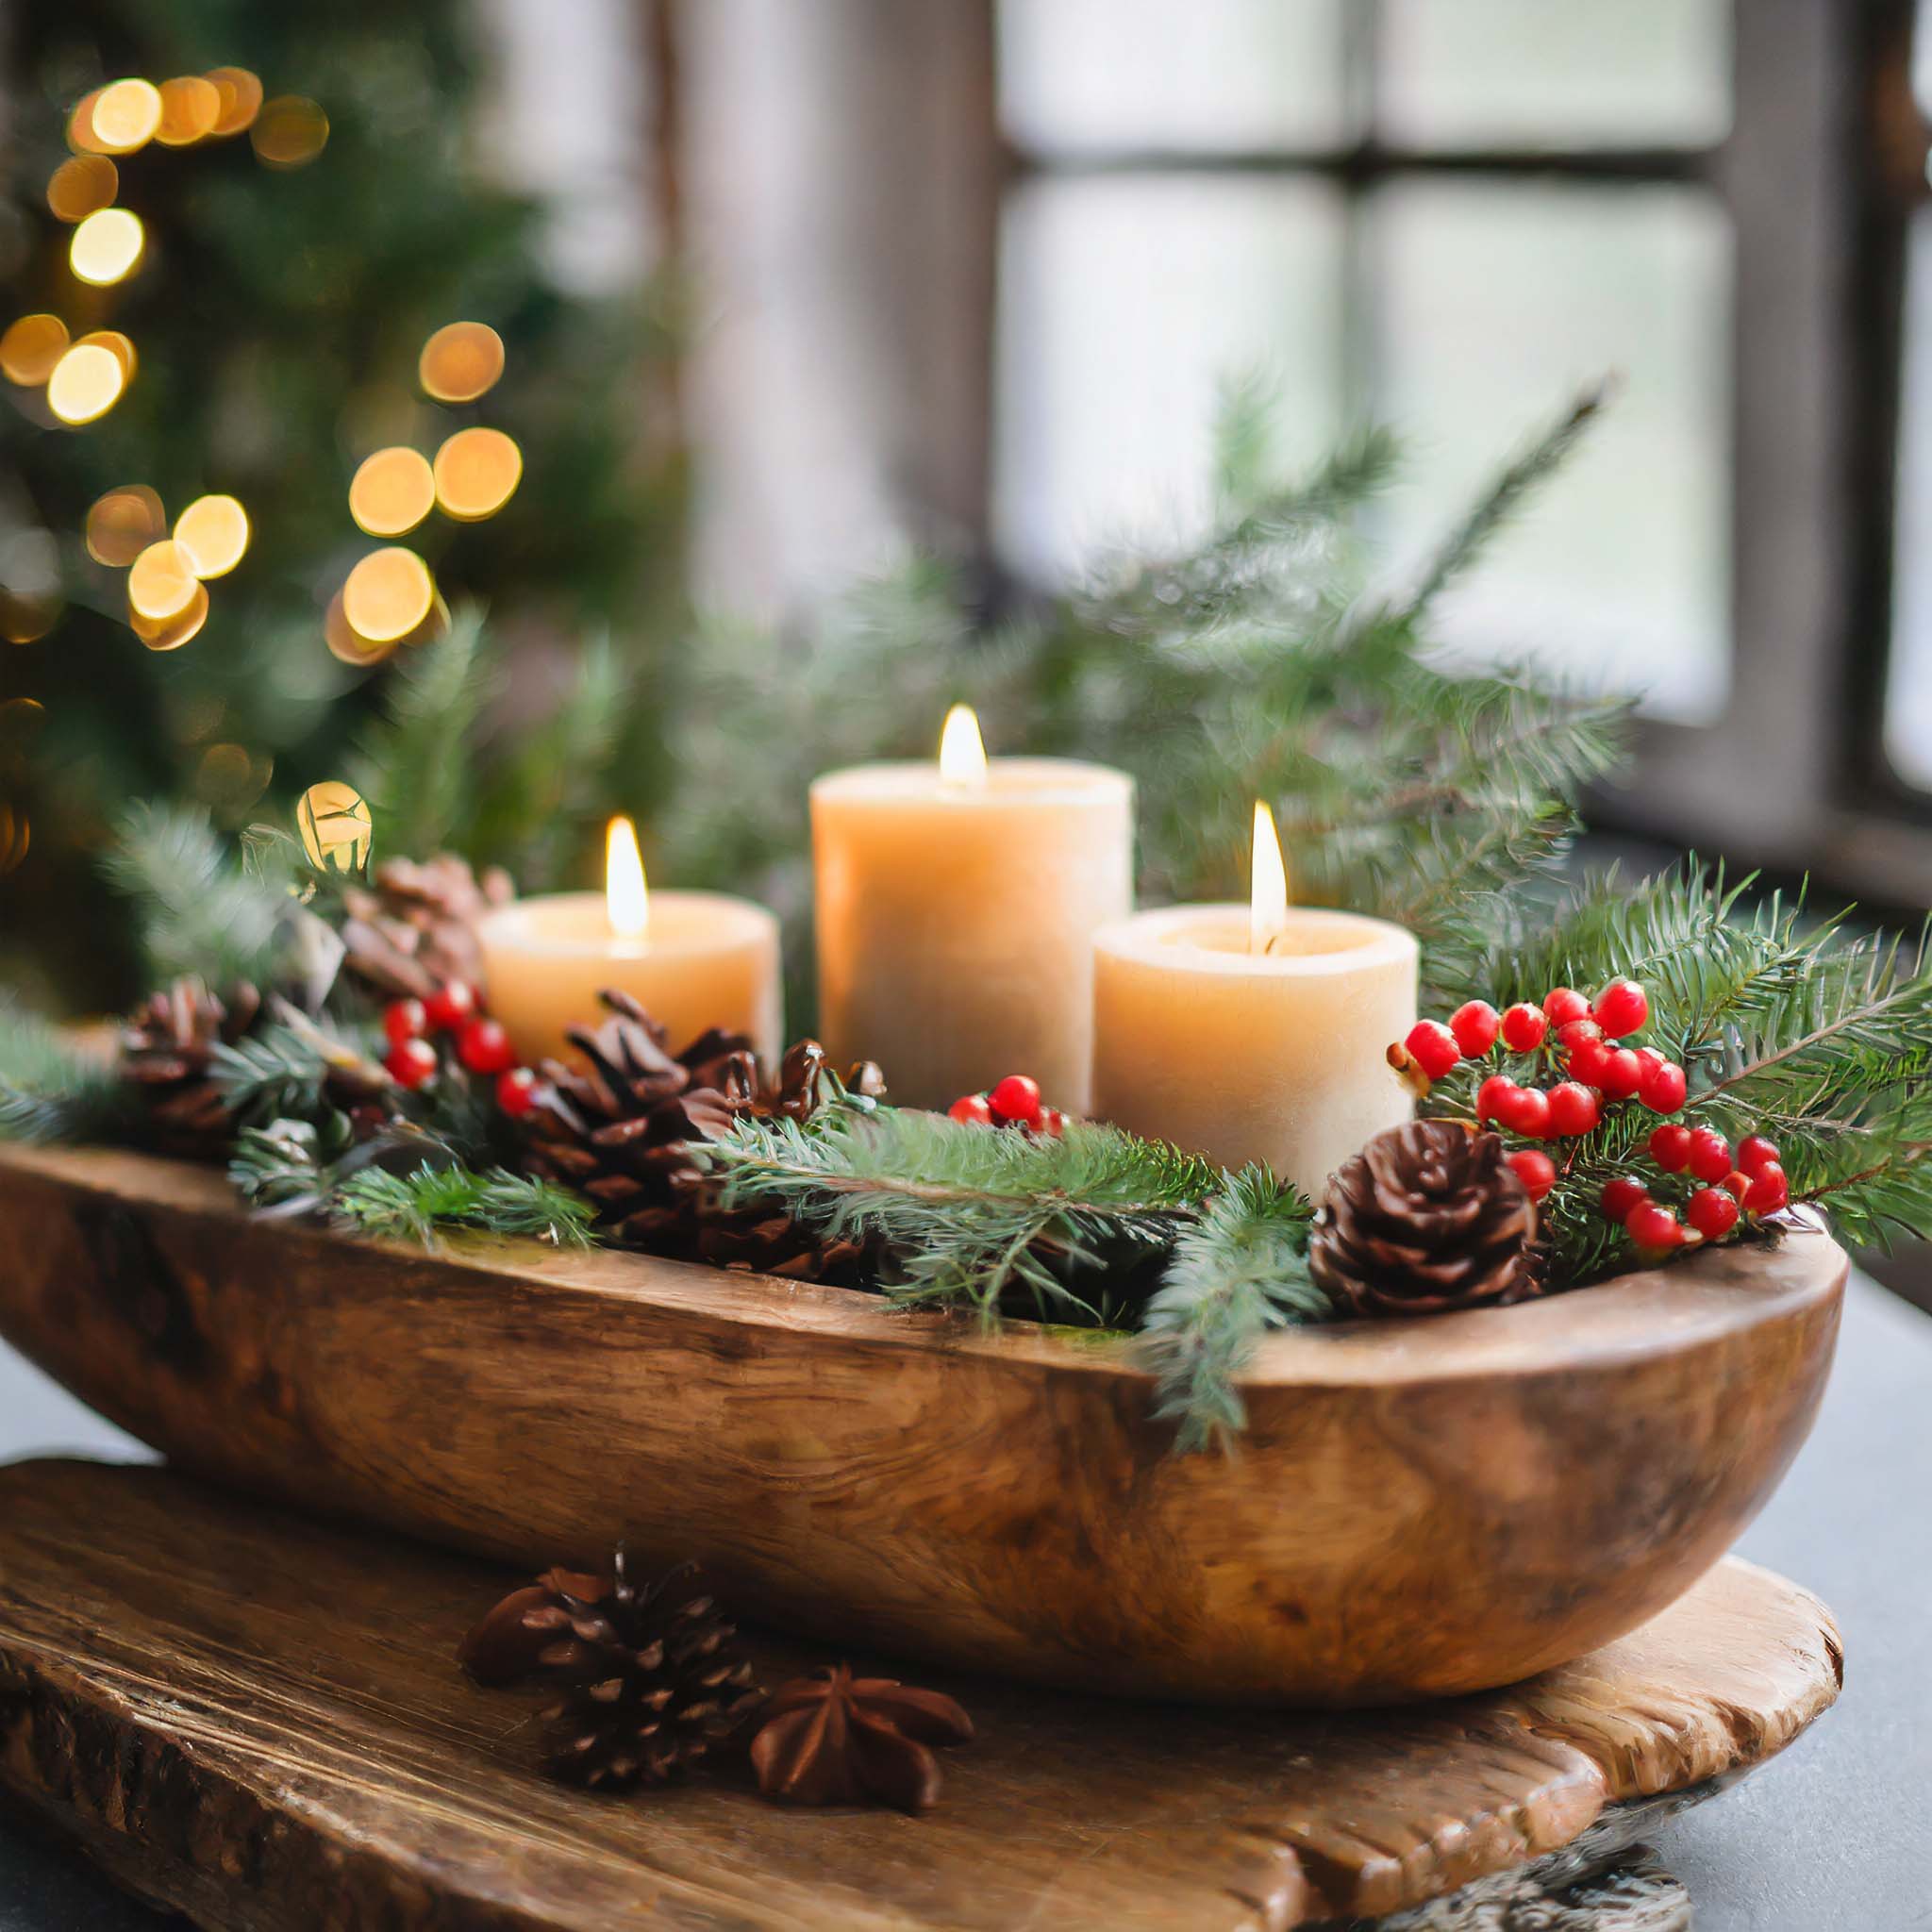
pixel 1908 679
pixel 1558 73
pixel 1494 304
pixel 1124 303
pixel 1209 74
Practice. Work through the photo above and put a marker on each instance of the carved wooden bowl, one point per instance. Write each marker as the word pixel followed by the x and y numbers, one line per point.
pixel 1417 1509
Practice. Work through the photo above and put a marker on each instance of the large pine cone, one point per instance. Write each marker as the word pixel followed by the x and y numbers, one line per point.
pixel 167 1049
pixel 1427 1216
pixel 414 928
pixel 649 1676
pixel 621 1131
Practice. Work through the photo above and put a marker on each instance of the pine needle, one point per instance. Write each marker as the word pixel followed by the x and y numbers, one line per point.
pixel 412 1206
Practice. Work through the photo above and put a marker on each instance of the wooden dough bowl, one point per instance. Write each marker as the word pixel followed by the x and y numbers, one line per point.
pixel 1417 1509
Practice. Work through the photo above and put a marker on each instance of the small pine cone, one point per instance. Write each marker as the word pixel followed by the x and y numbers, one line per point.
pixel 649 1676
pixel 167 1049
pixel 1427 1216
pixel 414 928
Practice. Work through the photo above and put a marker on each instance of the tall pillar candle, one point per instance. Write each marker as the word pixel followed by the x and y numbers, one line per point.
pixel 957 909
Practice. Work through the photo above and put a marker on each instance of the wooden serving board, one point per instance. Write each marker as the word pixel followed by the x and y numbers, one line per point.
pixel 259 1722
pixel 1419 1507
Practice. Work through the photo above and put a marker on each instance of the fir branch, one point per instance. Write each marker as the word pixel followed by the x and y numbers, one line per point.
pixel 203 912
pixel 411 1206
pixel 1239 1271
pixel 276 1073
pixel 968 1215
pixel 414 766
pixel 53 1090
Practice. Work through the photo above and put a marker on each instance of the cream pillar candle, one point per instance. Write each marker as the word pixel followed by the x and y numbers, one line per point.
pixel 694 959
pixel 1254 1032
pixel 957 908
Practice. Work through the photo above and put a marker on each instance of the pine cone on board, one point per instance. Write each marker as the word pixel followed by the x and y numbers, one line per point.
pixel 167 1048
pixel 619 1130
pixel 1427 1216
pixel 415 927
pixel 649 1676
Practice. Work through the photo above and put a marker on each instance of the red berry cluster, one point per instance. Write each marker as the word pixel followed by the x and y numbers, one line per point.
pixel 1014 1103
pixel 480 1044
pixel 1578 1037
pixel 1747 1180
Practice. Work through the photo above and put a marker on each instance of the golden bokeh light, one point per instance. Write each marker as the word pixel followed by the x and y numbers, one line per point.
pixel 387 594
pixel 106 246
pixel 118 347
pixel 30 600
pixel 169 633
pixel 191 105
pixel 344 643
pixel 476 474
pixel 81 125
pixel 31 347
pixel 126 115
pixel 85 383
pixel 335 827
pixel 238 93
pixel 27 620
pixel 13 838
pixel 288 132
pixel 122 523
pixel 161 583
pixel 80 185
pixel 461 362
pixel 392 491
pixel 229 778
pixel 213 533
pixel 435 625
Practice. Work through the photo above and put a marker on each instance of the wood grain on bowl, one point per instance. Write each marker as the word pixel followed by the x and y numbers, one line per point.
pixel 1417 1509
pixel 259 1721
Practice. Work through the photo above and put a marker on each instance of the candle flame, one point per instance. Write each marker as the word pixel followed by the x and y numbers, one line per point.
pixel 962 757
pixel 626 901
pixel 1267 902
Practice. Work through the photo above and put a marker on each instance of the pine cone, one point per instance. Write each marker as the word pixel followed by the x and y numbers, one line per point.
pixel 167 1048
pixel 415 929
pixel 621 1131
pixel 1427 1216
pixel 649 1676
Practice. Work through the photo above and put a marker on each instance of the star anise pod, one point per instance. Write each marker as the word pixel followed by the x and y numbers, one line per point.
pixel 833 1738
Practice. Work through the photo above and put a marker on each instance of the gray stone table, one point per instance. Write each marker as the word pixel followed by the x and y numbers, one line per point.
pixel 1835 1836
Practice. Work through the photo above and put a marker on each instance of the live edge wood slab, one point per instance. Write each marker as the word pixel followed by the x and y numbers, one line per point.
pixel 1417 1509
pixel 259 1722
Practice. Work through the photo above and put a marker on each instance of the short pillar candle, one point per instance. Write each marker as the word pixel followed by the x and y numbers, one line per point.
pixel 957 909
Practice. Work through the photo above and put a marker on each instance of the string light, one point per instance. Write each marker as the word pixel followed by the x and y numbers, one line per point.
pixel 169 633
pixel 434 625
pixel 392 491
pixel 229 779
pixel 106 245
pixel 387 594
pixel 335 827
pixel 288 132
pixel 191 105
pixel 344 643
pixel 122 523
pixel 461 362
pixel 80 185
pixel 118 347
pixel 240 95
pixel 81 125
pixel 126 115
pixel 213 533
pixel 476 472
pixel 31 347
pixel 14 838
pixel 85 383
pixel 161 582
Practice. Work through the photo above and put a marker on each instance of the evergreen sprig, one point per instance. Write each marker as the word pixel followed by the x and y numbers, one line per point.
pixel 413 1205
pixel 51 1090
pixel 1239 1270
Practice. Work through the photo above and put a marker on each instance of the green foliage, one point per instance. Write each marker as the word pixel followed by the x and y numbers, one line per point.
pixel 291 1167
pixel 411 1206
pixel 50 1089
pixel 1239 1271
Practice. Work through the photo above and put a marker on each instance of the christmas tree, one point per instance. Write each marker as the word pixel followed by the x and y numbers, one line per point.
pixel 296 255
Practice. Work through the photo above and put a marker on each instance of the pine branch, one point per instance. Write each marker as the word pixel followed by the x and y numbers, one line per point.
pixel 51 1091
pixel 413 767
pixel 203 912
pixel 412 1206
pixel 1239 1271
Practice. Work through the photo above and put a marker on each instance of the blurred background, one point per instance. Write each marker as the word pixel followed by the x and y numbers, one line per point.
pixel 785 289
